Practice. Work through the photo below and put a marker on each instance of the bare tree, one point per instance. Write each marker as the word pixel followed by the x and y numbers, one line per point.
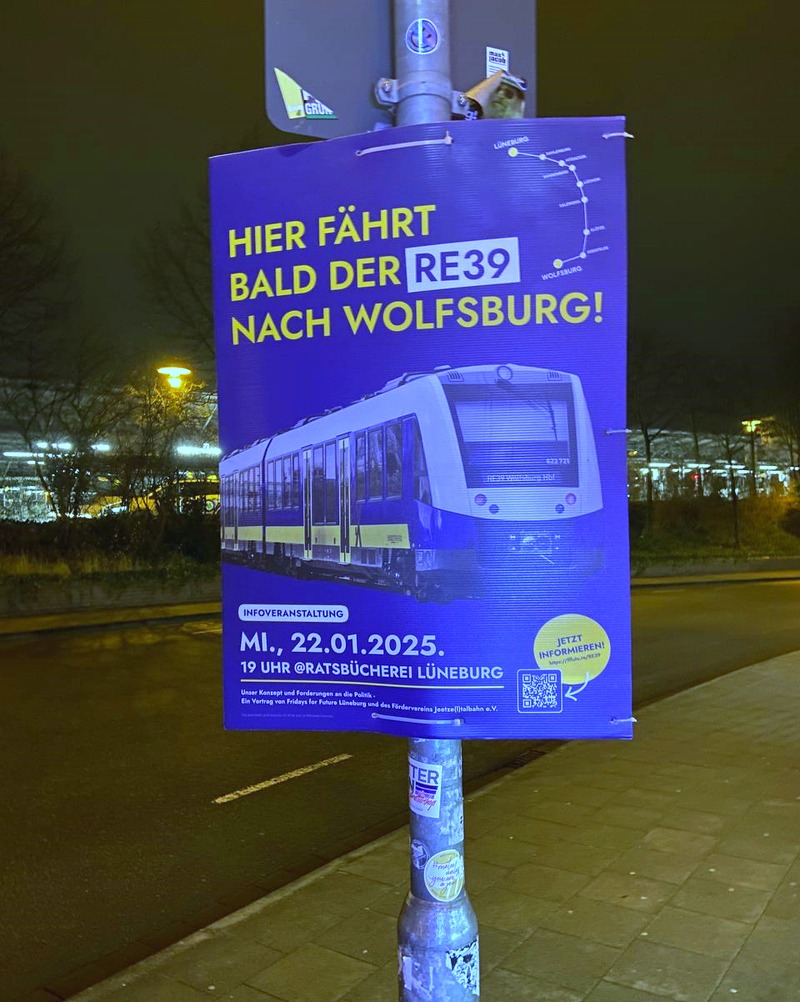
pixel 175 259
pixel 33 269
pixel 64 419
pixel 144 463
pixel 732 448
pixel 784 424
pixel 653 397
pixel 175 262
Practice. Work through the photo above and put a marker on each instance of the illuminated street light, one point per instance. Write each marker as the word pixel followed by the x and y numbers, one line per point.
pixel 751 428
pixel 174 374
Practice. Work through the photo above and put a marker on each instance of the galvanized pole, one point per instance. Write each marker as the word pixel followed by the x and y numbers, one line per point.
pixel 437 930
pixel 422 61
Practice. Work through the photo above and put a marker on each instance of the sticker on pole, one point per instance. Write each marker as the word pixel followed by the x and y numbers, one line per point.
pixel 497 59
pixel 425 788
pixel 444 875
pixel 422 37
pixel 299 103
pixel 464 962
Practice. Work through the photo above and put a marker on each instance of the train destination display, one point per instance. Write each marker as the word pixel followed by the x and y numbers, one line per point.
pixel 421 375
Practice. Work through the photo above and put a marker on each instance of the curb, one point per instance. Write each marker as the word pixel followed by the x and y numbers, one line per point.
pixel 82 618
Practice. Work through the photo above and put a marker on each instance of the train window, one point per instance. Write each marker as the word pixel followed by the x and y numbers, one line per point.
pixel 422 487
pixel 331 485
pixel 296 480
pixel 286 482
pixel 375 462
pixel 361 467
pixel 394 460
pixel 318 487
pixel 271 485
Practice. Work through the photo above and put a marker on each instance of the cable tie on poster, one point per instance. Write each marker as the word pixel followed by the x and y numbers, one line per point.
pixel 618 431
pixel 613 135
pixel 457 722
pixel 624 720
pixel 447 141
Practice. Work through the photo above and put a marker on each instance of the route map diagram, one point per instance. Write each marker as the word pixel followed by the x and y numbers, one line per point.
pixel 565 162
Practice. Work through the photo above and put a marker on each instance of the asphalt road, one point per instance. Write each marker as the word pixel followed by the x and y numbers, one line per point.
pixel 111 839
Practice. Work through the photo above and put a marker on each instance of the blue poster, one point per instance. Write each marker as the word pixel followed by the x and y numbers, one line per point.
pixel 421 362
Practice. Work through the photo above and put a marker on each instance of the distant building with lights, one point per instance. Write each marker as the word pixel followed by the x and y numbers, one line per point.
pixel 681 465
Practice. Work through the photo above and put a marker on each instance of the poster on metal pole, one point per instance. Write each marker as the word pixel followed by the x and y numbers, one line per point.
pixel 421 371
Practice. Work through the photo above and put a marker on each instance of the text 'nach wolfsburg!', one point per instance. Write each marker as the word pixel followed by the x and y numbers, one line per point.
pixel 516 310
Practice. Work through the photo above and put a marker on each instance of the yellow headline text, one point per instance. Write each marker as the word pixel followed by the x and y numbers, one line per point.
pixel 348 225
pixel 466 312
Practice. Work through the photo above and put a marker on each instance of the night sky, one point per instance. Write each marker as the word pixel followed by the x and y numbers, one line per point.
pixel 113 109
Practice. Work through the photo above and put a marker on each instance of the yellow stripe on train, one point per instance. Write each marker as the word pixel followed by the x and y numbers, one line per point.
pixel 391 536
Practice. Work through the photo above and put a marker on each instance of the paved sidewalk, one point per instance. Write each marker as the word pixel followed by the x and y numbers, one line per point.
pixel 666 867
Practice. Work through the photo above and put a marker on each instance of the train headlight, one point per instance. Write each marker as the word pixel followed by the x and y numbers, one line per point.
pixel 480 500
pixel 494 508
pixel 505 373
pixel 560 509
pixel 570 499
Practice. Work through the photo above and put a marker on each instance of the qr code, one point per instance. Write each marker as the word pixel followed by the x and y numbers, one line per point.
pixel 539 692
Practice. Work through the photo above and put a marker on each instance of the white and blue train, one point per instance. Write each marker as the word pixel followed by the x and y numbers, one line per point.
pixel 440 484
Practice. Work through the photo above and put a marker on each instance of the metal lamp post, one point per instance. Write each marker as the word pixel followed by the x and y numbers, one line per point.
pixel 437 928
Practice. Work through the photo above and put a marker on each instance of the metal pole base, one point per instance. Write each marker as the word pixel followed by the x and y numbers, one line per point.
pixel 438 951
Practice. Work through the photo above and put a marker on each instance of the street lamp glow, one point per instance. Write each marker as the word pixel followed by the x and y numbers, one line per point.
pixel 174 374
pixel 751 425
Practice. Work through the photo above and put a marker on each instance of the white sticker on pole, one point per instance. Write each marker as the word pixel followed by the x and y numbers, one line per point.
pixel 497 59
pixel 463 264
pixel 424 788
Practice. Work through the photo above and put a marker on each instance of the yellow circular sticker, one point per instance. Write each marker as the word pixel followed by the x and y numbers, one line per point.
pixel 578 646
pixel 444 875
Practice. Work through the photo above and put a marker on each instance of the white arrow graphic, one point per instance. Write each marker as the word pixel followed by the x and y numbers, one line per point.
pixel 572 693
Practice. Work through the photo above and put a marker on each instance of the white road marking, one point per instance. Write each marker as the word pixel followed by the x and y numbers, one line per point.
pixel 228 797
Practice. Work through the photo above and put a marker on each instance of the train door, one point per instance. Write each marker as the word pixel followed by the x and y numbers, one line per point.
pixel 307 478
pixel 343 447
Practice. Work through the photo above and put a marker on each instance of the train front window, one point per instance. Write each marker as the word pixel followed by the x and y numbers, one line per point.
pixel 516 434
